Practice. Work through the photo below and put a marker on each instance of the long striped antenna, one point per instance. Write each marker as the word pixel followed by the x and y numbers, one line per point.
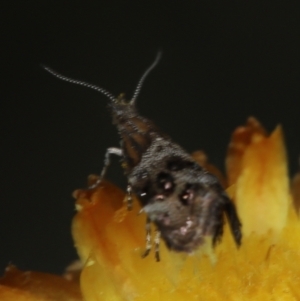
pixel 81 83
pixel 141 81
pixel 102 90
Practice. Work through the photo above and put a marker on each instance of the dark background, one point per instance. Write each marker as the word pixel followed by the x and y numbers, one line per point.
pixel 222 62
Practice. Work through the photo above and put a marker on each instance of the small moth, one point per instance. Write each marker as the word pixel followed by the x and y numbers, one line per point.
pixel 183 200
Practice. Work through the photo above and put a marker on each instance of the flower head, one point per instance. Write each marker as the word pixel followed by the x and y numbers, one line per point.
pixel 110 240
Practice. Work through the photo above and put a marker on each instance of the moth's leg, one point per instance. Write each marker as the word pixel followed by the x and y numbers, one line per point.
pixel 157 241
pixel 110 151
pixel 129 197
pixel 148 238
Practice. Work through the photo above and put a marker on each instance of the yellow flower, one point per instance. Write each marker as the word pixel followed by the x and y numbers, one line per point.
pixel 110 240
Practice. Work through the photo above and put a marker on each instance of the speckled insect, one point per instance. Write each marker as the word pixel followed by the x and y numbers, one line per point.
pixel 183 200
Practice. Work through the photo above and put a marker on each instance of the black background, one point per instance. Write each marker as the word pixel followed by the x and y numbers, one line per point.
pixel 222 62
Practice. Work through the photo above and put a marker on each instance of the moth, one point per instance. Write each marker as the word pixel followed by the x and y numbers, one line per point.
pixel 183 200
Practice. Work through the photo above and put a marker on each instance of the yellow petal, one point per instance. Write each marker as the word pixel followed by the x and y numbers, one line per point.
pixel 240 140
pixel 16 285
pixel 262 188
pixel 14 294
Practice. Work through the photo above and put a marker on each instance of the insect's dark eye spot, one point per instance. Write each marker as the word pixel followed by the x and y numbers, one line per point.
pixel 186 196
pixel 165 182
pixel 184 199
pixel 178 164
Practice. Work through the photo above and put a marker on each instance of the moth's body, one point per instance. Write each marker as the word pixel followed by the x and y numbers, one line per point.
pixel 183 200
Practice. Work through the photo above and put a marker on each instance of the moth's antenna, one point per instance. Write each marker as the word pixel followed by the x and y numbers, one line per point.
pixel 140 83
pixel 81 83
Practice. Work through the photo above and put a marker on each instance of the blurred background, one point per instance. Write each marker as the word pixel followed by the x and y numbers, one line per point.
pixel 222 62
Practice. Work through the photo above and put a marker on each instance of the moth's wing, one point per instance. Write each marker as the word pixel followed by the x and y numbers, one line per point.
pixel 233 219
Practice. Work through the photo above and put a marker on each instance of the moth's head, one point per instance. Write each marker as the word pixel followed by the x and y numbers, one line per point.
pixel 121 107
